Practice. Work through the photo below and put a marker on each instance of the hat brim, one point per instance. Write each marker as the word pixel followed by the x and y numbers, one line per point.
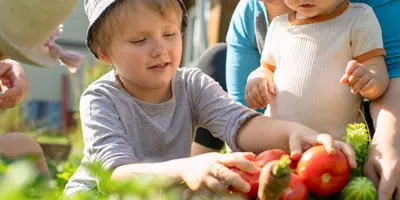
pixel 32 57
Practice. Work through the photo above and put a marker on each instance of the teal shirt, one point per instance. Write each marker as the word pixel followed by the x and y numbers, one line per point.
pixel 243 56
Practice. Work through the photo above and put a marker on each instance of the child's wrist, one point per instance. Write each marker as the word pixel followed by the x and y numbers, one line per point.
pixel 177 168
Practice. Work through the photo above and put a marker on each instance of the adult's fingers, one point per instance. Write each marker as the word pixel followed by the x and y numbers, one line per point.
pixel 9 102
pixel 387 185
pixel 5 67
pixel 370 171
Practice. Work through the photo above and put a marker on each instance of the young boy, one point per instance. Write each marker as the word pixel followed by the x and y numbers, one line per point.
pixel 141 117
pixel 310 54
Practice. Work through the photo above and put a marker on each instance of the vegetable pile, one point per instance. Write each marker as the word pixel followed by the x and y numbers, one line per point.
pixel 319 175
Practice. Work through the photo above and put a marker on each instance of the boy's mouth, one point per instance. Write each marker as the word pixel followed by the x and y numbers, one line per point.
pixel 307 6
pixel 160 66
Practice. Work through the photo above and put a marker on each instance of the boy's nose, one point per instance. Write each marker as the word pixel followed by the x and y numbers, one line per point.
pixel 159 48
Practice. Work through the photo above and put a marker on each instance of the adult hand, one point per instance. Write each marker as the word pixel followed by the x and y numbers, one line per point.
pixel 383 163
pixel 14 84
pixel 383 168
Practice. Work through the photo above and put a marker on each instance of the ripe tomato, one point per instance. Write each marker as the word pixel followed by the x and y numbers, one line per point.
pixel 269 155
pixel 297 190
pixel 252 179
pixel 322 173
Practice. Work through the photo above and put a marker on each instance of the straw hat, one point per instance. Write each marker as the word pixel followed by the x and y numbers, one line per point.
pixel 27 25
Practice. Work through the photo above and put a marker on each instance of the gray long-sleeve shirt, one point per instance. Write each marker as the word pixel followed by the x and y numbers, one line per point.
pixel 119 129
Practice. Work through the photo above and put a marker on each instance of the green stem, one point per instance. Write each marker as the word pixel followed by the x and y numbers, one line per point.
pixel 281 169
pixel 366 124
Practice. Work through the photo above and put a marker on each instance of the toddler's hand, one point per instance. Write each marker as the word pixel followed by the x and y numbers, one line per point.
pixel 358 77
pixel 259 87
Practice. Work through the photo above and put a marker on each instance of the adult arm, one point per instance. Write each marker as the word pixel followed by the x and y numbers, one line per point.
pixel 383 164
pixel 242 54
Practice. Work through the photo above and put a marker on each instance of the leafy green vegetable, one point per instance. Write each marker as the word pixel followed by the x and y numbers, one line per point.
pixel 358 136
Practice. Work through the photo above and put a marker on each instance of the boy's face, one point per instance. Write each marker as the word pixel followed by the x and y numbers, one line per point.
pixel 312 8
pixel 147 53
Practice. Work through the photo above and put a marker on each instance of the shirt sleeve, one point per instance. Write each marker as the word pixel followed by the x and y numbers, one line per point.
pixel 105 138
pixel 215 111
pixel 242 55
pixel 269 50
pixel 366 37
pixel 387 12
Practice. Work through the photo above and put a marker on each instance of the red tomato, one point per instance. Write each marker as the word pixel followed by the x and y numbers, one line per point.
pixel 252 179
pixel 297 190
pixel 322 173
pixel 269 155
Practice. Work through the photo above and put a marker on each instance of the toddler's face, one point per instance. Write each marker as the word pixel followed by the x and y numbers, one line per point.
pixel 311 8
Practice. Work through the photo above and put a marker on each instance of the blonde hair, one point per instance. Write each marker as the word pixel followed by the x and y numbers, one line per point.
pixel 113 18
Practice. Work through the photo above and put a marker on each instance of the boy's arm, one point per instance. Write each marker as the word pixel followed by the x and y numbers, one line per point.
pixel 377 68
pixel 262 132
pixel 242 128
pixel 169 170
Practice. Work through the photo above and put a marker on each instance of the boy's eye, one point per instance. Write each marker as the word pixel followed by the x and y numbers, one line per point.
pixel 138 41
pixel 169 34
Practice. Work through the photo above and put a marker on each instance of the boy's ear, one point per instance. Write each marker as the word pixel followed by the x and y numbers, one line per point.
pixel 103 56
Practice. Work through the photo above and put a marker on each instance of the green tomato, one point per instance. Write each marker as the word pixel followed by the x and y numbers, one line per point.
pixel 359 188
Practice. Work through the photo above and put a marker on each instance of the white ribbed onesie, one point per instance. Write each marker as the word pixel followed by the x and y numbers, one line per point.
pixel 308 58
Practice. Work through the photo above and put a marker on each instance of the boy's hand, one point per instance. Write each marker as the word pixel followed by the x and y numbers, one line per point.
pixel 259 87
pixel 358 77
pixel 209 174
